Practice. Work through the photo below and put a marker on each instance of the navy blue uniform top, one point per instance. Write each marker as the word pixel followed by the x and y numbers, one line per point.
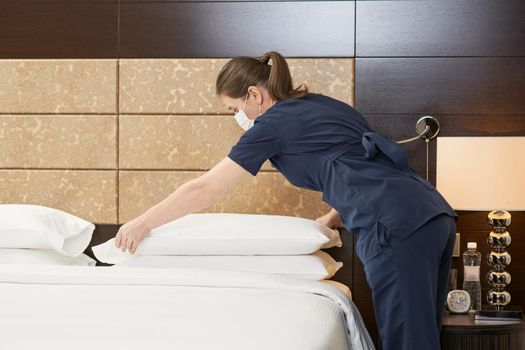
pixel 322 144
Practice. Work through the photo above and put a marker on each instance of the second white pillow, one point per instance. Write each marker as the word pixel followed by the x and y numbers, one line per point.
pixel 317 266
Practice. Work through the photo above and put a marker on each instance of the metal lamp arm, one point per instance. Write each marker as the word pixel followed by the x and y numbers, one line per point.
pixel 427 128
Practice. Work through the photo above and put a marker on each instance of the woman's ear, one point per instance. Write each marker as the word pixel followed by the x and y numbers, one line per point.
pixel 255 94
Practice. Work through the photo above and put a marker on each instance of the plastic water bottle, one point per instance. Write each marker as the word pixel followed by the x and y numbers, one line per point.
pixel 471 282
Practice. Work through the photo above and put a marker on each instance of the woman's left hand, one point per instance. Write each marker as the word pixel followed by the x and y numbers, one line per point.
pixel 131 234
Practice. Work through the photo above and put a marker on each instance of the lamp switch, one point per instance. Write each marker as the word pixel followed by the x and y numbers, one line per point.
pixel 456 253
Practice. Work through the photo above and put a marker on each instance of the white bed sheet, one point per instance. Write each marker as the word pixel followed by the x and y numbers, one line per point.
pixel 81 307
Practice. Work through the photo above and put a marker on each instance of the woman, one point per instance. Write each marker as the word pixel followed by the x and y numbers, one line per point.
pixel 405 228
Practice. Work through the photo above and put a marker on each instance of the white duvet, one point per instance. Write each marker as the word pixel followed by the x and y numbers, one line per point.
pixel 82 307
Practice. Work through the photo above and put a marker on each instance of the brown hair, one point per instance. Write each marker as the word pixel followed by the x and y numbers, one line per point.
pixel 241 72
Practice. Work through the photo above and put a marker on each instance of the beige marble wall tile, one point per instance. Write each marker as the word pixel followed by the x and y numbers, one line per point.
pixel 58 141
pixel 179 86
pixel 58 86
pixel 169 85
pixel 90 195
pixel 176 141
pixel 330 76
pixel 267 193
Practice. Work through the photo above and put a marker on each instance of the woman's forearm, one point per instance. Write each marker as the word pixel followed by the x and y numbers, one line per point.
pixel 188 198
pixel 193 196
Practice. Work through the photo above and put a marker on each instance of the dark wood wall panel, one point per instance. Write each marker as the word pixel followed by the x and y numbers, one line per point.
pixel 482 125
pixel 440 28
pixel 226 29
pixel 440 85
pixel 58 29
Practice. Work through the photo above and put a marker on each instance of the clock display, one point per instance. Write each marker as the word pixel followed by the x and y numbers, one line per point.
pixel 458 301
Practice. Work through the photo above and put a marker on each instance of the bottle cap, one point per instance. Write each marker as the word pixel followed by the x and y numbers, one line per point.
pixel 472 245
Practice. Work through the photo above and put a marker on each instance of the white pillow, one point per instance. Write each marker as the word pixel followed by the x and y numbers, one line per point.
pixel 317 266
pixel 39 227
pixel 229 234
pixel 44 257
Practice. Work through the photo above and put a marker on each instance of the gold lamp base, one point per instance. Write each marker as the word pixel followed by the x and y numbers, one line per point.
pixel 498 298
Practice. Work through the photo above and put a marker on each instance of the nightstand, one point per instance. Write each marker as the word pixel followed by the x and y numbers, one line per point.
pixel 463 332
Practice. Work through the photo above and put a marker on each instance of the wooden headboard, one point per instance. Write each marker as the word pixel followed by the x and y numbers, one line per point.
pixel 344 254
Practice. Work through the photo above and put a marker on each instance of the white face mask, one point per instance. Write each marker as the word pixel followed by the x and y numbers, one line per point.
pixel 242 119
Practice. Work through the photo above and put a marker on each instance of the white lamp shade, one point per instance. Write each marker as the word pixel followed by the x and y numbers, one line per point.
pixel 482 173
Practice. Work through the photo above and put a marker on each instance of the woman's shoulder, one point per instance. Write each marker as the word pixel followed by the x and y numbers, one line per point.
pixel 308 97
pixel 308 104
pixel 312 100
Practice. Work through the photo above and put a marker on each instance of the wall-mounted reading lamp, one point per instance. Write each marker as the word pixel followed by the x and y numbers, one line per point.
pixel 427 128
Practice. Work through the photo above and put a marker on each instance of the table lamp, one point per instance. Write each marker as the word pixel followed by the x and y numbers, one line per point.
pixel 486 174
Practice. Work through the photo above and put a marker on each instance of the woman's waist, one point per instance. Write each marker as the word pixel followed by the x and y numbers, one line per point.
pixel 400 215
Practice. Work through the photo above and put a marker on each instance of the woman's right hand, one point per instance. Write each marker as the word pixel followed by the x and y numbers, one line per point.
pixel 330 219
pixel 131 234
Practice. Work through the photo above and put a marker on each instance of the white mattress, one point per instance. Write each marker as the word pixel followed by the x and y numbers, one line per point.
pixel 83 307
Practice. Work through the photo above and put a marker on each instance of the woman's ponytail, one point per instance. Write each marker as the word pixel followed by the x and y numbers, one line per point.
pixel 279 82
pixel 269 70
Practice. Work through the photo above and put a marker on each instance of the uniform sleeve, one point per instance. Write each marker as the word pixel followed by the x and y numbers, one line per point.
pixel 255 146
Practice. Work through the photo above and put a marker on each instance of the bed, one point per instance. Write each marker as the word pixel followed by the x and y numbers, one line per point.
pixel 88 307
pixel 65 307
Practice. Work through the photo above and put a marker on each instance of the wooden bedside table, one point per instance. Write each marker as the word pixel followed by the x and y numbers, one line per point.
pixel 463 332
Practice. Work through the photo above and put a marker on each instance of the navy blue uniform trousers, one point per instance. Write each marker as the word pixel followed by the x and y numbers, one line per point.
pixel 409 282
